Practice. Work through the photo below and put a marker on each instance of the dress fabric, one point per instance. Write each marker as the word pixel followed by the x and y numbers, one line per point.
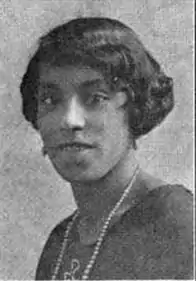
pixel 153 239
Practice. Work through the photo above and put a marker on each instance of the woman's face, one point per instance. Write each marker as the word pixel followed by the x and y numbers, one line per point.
pixel 82 123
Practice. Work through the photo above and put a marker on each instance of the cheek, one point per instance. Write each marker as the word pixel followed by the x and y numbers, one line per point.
pixel 48 126
pixel 116 129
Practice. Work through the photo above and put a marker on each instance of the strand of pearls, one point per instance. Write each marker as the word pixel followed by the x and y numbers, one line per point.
pixel 100 239
pixel 63 247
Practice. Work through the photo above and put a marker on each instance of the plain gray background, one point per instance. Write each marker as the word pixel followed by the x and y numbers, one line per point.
pixel 33 197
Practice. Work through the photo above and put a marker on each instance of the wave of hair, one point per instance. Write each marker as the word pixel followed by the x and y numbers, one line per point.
pixel 113 48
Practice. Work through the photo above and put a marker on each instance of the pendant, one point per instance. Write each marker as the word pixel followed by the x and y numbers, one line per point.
pixel 75 266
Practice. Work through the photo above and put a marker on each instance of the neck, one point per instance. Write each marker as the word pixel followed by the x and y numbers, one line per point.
pixel 96 199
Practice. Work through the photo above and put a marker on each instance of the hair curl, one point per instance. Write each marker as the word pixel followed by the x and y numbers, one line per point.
pixel 114 48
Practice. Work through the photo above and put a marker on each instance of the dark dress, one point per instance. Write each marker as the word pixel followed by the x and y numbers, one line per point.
pixel 153 239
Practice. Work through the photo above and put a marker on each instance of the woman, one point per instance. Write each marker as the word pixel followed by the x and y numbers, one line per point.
pixel 91 90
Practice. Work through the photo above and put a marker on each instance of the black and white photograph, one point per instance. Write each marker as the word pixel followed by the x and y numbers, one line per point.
pixel 97 140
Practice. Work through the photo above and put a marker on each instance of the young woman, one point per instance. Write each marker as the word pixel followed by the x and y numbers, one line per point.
pixel 91 90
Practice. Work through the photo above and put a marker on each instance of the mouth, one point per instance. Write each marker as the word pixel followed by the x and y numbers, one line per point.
pixel 75 146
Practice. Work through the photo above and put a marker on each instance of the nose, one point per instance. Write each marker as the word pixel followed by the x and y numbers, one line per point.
pixel 73 117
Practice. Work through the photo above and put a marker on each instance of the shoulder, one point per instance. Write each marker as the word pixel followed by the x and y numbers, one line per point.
pixel 166 203
pixel 171 201
pixel 173 227
pixel 173 210
pixel 51 249
pixel 156 195
pixel 164 220
pixel 158 199
pixel 173 195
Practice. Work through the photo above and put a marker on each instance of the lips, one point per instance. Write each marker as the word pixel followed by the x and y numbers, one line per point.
pixel 75 145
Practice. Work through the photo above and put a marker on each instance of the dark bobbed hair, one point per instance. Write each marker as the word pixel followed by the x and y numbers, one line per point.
pixel 113 48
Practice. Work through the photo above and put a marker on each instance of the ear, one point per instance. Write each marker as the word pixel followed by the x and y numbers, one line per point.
pixel 121 98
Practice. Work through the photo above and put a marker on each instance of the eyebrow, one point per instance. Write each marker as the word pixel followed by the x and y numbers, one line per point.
pixel 48 85
pixel 85 84
pixel 93 82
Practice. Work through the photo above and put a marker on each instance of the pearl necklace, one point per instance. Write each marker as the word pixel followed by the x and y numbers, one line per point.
pixel 100 238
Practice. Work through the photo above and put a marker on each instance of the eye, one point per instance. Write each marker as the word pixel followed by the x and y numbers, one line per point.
pixel 96 98
pixel 48 99
pixel 48 94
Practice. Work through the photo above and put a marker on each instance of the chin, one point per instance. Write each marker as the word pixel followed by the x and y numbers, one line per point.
pixel 84 170
pixel 80 173
pixel 80 177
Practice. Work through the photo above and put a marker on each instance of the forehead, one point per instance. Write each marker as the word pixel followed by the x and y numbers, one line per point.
pixel 65 75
